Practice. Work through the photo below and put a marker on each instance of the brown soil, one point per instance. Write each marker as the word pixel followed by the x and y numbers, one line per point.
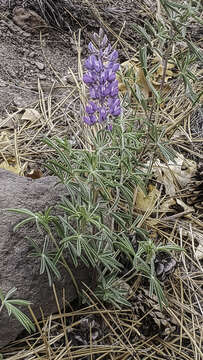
pixel 40 44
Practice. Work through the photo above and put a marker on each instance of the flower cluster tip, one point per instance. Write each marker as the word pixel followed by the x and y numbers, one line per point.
pixel 101 66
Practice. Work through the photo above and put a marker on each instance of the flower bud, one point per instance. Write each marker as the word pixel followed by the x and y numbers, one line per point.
pixel 90 62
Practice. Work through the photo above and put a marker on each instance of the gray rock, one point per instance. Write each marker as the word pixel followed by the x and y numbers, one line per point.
pixel 19 270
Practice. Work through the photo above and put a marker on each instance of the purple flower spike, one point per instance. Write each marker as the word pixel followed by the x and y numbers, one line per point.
pixel 102 66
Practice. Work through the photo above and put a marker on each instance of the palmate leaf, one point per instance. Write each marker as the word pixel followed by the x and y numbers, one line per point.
pixel 167 152
pixel 155 286
pixel 113 296
pixel 20 316
pixel 47 259
pixel 101 183
pixel 107 291
pixel 32 216
pixel 59 170
pixel 69 208
pixel 108 260
pixel 40 219
pixel 90 252
pixel 57 144
pixel 79 247
pixel 127 193
pixel 49 264
pixel 71 248
pixel 125 245
pixel 118 297
pixel 66 225
pixel 9 293
pixel 119 219
pixel 9 304
pixel 142 32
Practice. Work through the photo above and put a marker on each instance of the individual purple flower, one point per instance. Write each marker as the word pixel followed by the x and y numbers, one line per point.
pixel 102 114
pixel 89 63
pixel 92 48
pixel 91 108
pixel 115 108
pixel 90 120
pixel 107 51
pixel 89 78
pixel 94 92
pixel 103 77
pixel 113 56
pixel 104 90
pixel 104 41
pixel 111 75
pixel 114 88
pixel 101 66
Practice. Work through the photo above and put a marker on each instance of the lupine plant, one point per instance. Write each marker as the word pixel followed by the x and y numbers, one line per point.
pixel 98 215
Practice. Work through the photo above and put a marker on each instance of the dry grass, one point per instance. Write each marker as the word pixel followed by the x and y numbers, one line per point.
pixel 117 334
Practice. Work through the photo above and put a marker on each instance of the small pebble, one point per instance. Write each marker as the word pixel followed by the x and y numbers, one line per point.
pixel 32 54
pixel 26 53
pixel 2 83
pixel 39 65
pixel 42 76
